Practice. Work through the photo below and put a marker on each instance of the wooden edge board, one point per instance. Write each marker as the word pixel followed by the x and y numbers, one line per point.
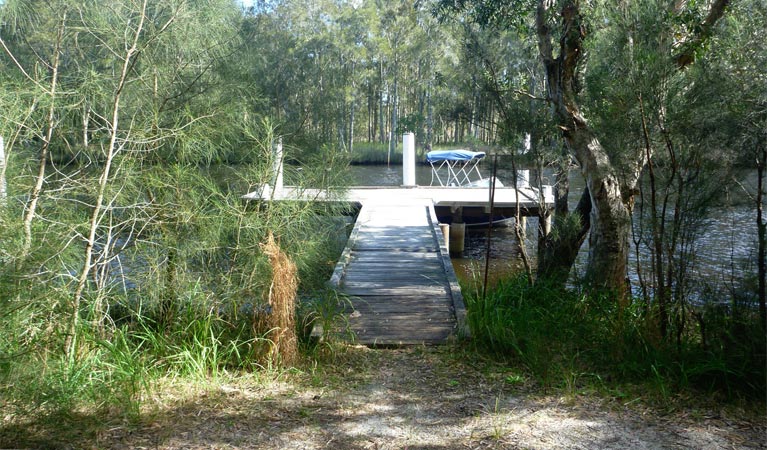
pixel 459 307
pixel 346 256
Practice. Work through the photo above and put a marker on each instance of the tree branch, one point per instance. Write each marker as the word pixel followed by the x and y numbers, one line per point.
pixel 702 33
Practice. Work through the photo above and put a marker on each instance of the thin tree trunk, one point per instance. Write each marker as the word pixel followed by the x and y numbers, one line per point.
pixel 86 123
pixel 34 196
pixel 3 191
pixel 394 101
pixel 351 113
pixel 112 150
pixel 371 120
pixel 429 118
pixel 519 231
pixel 381 114
pixel 657 225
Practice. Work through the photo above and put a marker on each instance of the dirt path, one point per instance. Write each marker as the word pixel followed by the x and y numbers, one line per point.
pixel 396 399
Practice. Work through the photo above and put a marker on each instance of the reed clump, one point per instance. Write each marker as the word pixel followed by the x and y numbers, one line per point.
pixel 279 322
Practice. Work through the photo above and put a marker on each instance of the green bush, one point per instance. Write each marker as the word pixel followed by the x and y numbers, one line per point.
pixel 565 337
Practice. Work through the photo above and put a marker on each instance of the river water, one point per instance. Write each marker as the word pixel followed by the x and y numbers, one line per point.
pixel 722 252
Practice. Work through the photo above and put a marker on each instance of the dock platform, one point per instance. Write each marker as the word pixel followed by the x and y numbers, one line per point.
pixel 396 269
pixel 399 279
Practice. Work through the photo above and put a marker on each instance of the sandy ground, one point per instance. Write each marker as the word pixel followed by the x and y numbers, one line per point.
pixel 421 398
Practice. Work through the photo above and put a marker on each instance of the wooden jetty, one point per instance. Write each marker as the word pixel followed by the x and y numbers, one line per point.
pixel 398 275
pixel 396 267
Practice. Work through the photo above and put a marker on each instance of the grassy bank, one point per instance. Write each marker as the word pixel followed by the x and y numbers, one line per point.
pixel 569 339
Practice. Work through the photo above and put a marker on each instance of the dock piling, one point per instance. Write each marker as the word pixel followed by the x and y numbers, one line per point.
pixel 445 229
pixel 457 238
pixel 408 160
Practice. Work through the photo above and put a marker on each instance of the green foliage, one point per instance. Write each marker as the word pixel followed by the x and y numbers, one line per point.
pixel 569 339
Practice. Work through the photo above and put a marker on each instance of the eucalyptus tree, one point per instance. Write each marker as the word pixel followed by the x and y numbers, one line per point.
pixel 610 188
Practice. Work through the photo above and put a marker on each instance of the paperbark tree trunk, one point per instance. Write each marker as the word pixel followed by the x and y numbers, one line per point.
pixel 558 251
pixel 609 218
pixel 610 215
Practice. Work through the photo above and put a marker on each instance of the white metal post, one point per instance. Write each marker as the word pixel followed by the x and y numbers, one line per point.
pixel 408 159
pixel 523 176
pixel 277 168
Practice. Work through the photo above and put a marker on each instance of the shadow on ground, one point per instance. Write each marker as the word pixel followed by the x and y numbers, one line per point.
pixel 379 399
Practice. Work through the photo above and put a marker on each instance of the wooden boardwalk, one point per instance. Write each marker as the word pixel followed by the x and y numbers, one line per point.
pixel 398 276
pixel 396 269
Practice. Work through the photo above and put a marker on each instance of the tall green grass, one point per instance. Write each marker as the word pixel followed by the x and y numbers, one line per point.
pixel 375 153
pixel 197 281
pixel 566 338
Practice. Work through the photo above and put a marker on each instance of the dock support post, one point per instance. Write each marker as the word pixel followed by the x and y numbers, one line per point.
pixel 408 159
pixel 457 237
pixel 523 179
pixel 523 175
pixel 445 229
pixel 277 168
pixel 523 224
pixel 548 193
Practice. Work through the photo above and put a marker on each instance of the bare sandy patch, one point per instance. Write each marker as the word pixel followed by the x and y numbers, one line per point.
pixel 418 398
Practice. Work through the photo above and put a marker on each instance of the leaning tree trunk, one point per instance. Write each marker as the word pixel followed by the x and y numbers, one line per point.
pixel 558 250
pixel 609 219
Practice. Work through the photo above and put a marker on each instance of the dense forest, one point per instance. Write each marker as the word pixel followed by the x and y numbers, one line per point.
pixel 130 129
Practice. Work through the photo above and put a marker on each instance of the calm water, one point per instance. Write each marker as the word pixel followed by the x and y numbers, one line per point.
pixel 726 244
pixel 504 249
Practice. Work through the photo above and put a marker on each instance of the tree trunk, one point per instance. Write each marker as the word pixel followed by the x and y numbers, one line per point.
pixel 610 218
pixel 96 214
pixel 86 123
pixel 351 113
pixel 381 102
pixel 610 215
pixel 34 196
pixel 3 192
pixel 393 130
pixel 762 231
pixel 610 222
pixel 429 119
pixel 558 250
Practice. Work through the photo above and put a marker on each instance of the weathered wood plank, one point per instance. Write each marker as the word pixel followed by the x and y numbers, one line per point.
pixel 431 333
pixel 386 304
pixel 394 274
pixel 395 320
pixel 390 272
pixel 362 275
pixel 398 291
pixel 389 257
